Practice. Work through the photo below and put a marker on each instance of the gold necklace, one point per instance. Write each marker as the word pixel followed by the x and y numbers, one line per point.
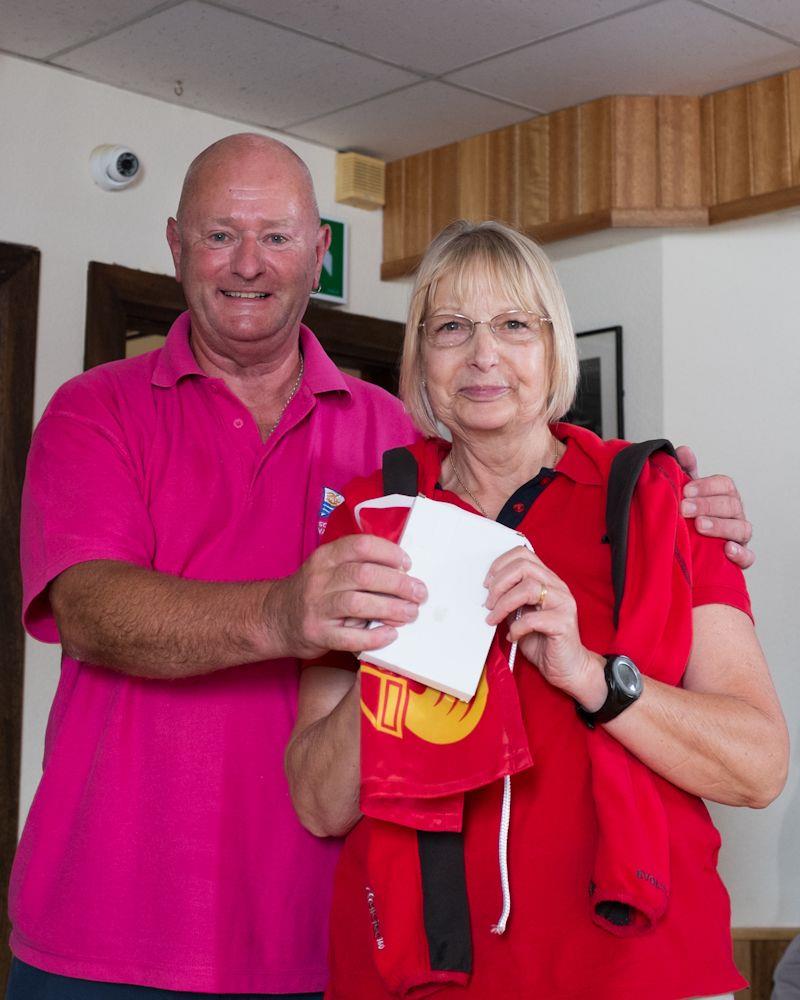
pixel 478 505
pixel 289 398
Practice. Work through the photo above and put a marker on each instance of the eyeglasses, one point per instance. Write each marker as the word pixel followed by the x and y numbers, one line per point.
pixel 453 330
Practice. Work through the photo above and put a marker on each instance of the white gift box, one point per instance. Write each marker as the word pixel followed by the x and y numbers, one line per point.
pixel 451 551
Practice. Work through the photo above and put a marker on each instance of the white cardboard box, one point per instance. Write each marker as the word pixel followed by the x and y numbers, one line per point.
pixel 451 551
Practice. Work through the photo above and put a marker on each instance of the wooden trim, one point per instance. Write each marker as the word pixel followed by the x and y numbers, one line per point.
pixel 401 268
pixel 658 218
pixel 118 299
pixel 764 933
pixel 19 297
pixel 756 204
pixel 578 225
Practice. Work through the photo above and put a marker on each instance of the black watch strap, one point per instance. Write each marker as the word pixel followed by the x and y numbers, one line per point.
pixel 624 683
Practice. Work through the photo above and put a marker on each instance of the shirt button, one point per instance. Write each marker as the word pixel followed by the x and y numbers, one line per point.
pixel 238 422
pixel 519 508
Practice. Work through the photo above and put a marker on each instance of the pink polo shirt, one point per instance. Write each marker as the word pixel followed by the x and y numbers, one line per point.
pixel 161 848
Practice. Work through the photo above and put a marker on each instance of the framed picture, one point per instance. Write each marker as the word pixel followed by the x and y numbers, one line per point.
pixel 599 401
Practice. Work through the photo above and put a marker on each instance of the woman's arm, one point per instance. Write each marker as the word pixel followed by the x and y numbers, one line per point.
pixel 323 756
pixel 721 735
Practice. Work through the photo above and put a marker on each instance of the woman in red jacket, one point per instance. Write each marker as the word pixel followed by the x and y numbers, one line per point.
pixel 610 854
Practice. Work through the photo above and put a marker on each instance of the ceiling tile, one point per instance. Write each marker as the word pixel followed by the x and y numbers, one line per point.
pixel 433 36
pixel 234 66
pixel 673 47
pixel 782 16
pixel 40 29
pixel 420 117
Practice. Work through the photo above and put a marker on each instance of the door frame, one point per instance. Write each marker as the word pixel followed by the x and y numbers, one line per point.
pixel 19 300
pixel 121 298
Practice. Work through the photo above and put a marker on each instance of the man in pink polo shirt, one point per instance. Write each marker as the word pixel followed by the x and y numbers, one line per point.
pixel 172 508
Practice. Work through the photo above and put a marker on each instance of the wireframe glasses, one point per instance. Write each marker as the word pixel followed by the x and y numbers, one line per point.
pixel 453 330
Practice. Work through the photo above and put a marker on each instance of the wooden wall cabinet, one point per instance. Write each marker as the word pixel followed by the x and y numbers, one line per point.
pixel 652 161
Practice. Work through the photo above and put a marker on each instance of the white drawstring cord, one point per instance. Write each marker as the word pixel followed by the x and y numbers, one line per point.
pixel 505 822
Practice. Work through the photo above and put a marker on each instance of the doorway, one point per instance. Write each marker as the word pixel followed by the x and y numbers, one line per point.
pixel 19 297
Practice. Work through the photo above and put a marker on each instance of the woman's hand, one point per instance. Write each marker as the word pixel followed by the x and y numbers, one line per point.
pixel 547 628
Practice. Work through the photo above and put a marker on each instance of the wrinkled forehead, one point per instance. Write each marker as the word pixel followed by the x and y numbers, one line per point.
pixel 482 277
pixel 222 183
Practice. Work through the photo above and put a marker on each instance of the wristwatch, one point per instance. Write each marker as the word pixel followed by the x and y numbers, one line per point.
pixel 624 686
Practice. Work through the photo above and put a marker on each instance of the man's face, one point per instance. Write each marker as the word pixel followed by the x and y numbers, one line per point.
pixel 248 250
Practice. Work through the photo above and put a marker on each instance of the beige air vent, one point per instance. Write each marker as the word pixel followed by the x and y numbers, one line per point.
pixel 360 180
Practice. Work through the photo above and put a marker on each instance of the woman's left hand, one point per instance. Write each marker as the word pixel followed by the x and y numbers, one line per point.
pixel 547 629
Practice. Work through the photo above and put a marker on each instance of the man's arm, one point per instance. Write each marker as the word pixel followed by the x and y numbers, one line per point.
pixel 143 622
pixel 715 504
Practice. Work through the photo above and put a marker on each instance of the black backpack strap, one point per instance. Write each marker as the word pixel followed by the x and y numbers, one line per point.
pixel 400 472
pixel 623 477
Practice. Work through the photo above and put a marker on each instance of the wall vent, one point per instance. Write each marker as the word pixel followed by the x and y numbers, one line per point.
pixel 360 180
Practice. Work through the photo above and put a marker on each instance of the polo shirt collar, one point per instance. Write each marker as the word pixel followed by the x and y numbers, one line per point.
pixel 576 463
pixel 177 360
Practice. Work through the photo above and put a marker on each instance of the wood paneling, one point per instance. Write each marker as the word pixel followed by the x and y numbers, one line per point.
pixel 679 156
pixel 393 211
pixel 594 156
pixel 756 951
pixel 534 172
pixel 473 179
pixel 502 200
pixel 708 152
pixel 793 97
pixel 19 296
pixel 564 161
pixel 618 161
pixel 731 124
pixel 635 146
pixel 444 186
pixel 417 204
pixel 769 135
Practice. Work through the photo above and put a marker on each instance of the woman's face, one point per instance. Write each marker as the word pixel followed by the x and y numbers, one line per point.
pixel 485 385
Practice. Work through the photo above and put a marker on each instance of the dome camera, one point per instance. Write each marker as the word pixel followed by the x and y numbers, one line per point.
pixel 114 167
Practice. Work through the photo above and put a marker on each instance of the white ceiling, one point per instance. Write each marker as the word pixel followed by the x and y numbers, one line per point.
pixel 392 77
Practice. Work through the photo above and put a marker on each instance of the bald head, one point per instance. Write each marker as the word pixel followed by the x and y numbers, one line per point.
pixel 227 158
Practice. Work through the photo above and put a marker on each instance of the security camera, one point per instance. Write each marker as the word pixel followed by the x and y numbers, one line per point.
pixel 114 167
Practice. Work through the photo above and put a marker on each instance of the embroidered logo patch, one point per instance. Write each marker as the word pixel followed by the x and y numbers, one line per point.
pixel 330 501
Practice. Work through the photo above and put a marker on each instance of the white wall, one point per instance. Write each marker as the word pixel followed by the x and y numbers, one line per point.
pixel 711 329
pixel 50 121
pixel 614 279
pixel 731 372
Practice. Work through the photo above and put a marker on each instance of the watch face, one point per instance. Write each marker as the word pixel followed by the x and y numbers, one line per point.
pixel 627 676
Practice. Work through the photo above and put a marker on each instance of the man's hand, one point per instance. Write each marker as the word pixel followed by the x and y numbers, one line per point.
pixel 327 603
pixel 715 503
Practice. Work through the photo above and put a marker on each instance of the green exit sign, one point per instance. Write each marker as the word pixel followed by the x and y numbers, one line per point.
pixel 333 277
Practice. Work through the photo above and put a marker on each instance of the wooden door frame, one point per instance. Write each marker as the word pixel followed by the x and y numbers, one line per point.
pixel 19 299
pixel 120 298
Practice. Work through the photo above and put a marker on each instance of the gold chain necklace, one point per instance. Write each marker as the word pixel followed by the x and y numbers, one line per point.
pixel 478 505
pixel 289 398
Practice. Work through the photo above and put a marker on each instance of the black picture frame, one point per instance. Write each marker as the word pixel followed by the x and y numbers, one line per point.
pixel 599 401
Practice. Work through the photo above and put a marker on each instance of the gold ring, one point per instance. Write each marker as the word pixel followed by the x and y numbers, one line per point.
pixel 542 598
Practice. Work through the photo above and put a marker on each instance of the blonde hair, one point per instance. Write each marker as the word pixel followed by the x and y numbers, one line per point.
pixel 513 265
